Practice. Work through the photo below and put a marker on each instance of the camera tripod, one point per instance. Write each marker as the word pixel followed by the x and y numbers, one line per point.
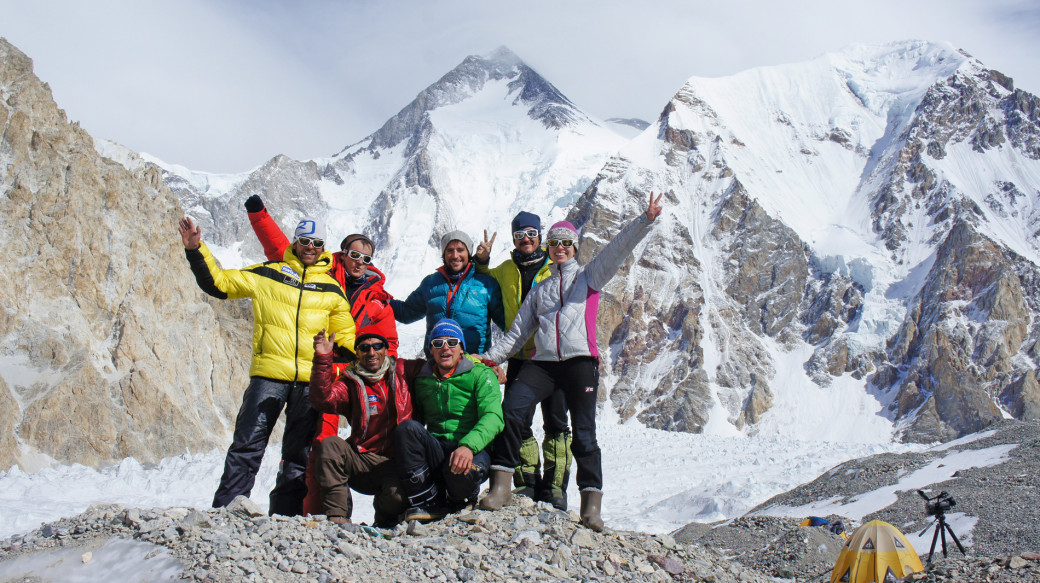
pixel 940 530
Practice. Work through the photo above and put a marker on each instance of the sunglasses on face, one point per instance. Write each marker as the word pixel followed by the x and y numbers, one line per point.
pixel 359 256
pixel 311 242
pixel 529 233
pixel 374 347
pixel 561 242
pixel 440 342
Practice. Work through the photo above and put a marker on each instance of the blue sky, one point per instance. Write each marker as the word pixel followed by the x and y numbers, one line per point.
pixel 223 86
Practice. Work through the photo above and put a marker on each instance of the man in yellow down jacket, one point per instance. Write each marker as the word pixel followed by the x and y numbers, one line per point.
pixel 293 300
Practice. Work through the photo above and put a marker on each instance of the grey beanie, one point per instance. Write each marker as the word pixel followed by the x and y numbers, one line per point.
pixel 456 236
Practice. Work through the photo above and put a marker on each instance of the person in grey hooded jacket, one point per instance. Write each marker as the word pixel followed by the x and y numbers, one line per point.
pixel 561 314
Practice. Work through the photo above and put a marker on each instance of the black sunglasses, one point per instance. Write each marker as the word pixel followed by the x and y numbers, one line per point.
pixel 359 256
pixel 440 342
pixel 373 346
pixel 558 242
pixel 529 233
pixel 311 242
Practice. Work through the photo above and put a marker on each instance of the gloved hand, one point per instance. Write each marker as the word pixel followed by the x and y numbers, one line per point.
pixel 254 204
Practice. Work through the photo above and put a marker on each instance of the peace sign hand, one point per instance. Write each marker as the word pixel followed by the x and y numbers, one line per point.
pixel 483 254
pixel 654 210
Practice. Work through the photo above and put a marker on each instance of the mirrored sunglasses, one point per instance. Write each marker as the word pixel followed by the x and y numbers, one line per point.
pixel 559 242
pixel 440 342
pixel 373 346
pixel 359 256
pixel 311 242
pixel 529 233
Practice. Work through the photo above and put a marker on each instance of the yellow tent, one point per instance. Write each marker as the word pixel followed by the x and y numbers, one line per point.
pixel 876 553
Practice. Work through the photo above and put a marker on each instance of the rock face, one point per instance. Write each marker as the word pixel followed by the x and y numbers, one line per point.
pixel 110 350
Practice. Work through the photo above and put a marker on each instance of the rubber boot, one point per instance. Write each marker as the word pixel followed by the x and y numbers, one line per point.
pixel 499 493
pixel 590 502
pixel 558 458
pixel 526 475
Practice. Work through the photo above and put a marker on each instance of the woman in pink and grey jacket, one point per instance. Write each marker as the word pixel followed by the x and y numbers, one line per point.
pixel 561 314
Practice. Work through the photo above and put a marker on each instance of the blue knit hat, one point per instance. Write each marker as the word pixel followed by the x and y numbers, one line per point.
pixel 526 219
pixel 448 328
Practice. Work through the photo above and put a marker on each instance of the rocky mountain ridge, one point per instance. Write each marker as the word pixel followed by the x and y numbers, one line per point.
pixel 848 233
pixel 871 295
pixel 836 232
pixel 841 251
pixel 105 355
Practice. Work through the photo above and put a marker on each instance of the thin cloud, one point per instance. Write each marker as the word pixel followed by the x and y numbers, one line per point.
pixel 224 86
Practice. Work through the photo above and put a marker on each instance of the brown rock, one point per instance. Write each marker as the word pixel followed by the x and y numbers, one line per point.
pixel 126 356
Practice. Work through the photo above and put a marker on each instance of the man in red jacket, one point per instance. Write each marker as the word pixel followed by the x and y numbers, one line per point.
pixel 363 285
pixel 373 394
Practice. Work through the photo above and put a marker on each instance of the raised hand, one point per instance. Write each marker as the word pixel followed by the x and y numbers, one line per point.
pixel 323 345
pixel 483 254
pixel 191 234
pixel 654 210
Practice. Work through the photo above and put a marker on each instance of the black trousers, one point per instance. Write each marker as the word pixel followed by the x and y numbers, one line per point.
pixel 554 408
pixel 425 476
pixel 262 403
pixel 578 379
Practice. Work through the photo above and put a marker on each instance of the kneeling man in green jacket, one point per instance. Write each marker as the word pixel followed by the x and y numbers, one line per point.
pixel 456 413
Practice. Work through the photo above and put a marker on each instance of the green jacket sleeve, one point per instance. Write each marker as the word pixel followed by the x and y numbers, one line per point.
pixel 489 409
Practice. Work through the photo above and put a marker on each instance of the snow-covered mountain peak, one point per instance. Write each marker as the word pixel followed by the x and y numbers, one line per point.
pixel 505 56
pixel 527 89
pixel 872 212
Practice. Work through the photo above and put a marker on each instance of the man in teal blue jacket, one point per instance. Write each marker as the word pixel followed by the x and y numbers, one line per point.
pixel 456 291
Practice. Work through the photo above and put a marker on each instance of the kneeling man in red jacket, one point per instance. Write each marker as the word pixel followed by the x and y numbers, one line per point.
pixel 373 394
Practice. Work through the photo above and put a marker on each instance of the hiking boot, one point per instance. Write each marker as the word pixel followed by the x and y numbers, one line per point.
pixel 527 485
pixel 340 520
pixel 499 494
pixel 590 502
pixel 425 514
pixel 385 519
pixel 558 500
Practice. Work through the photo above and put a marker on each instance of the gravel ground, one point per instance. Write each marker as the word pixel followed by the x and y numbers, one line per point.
pixel 522 542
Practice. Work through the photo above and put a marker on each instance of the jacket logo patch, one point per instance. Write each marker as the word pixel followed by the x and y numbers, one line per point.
pixel 590 389
pixel 373 399
pixel 310 286
pixel 290 271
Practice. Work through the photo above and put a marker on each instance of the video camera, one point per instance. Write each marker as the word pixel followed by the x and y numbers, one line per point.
pixel 939 504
